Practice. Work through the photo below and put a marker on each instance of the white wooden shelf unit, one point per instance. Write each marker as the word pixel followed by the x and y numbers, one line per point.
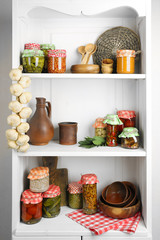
pixel 82 98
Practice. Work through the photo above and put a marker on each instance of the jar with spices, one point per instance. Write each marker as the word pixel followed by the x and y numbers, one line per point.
pixel 45 48
pixel 39 179
pixel 100 128
pixel 32 46
pixel 57 61
pixel 125 61
pixel 75 195
pixel 51 202
pixel 31 207
pixel 129 138
pixel 128 118
pixel 33 61
pixel 113 123
pixel 89 189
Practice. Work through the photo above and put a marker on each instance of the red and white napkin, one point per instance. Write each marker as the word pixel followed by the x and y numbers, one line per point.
pixel 98 223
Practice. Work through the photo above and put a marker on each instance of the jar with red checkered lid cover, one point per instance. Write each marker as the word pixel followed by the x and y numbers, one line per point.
pixel 31 207
pixel 89 190
pixel 75 195
pixel 51 201
pixel 39 179
pixel 57 61
pixel 100 128
pixel 127 117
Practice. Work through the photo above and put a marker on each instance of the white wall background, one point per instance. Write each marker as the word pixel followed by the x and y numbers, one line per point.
pixel 5 154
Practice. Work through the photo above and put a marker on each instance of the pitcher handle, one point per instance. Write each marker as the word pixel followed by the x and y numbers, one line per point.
pixel 48 109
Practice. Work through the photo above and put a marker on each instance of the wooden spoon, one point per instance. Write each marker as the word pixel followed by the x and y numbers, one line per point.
pixel 88 49
pixel 95 48
pixel 82 51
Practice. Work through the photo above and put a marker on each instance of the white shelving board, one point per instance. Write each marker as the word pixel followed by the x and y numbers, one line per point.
pixel 53 227
pixel 56 149
pixel 84 76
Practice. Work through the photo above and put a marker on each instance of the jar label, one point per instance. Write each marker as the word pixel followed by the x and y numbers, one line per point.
pixel 59 63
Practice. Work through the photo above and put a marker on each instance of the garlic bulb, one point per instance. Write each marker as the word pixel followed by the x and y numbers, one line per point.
pixel 23 128
pixel 11 134
pixel 25 97
pixel 20 67
pixel 25 81
pixel 16 89
pixel 13 120
pixel 15 74
pixel 23 148
pixel 12 144
pixel 22 139
pixel 25 112
pixel 15 106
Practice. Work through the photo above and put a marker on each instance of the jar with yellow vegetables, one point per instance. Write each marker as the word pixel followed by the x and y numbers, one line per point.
pixel 100 128
pixel 89 189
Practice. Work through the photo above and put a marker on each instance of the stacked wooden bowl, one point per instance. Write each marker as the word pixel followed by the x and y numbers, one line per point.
pixel 120 200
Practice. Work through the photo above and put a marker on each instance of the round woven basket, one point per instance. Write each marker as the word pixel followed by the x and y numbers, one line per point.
pixel 115 39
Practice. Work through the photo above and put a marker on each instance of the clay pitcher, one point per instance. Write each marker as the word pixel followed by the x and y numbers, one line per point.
pixel 41 128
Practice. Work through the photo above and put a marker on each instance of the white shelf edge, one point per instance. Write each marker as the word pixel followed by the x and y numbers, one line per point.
pixel 55 149
pixel 53 227
pixel 89 76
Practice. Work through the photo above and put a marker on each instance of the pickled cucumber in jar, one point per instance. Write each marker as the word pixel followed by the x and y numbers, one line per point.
pixel 33 61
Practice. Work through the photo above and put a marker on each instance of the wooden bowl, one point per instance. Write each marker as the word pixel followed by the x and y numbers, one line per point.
pixel 134 193
pixel 115 212
pixel 116 194
pixel 85 68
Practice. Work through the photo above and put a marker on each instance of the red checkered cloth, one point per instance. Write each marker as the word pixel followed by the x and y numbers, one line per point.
pixel 98 223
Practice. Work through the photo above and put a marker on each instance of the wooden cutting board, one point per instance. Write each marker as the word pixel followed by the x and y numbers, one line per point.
pixel 58 177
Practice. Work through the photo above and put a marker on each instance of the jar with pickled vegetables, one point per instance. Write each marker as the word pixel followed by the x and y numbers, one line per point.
pixel 45 48
pixel 113 123
pixel 100 128
pixel 33 61
pixel 39 179
pixel 51 202
pixel 125 61
pixel 89 190
pixel 130 138
pixel 31 207
pixel 57 61
pixel 128 118
pixel 75 195
pixel 32 46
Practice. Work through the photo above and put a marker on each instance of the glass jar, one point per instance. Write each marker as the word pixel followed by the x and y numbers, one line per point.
pixel 31 207
pixel 100 128
pixel 75 195
pixel 33 61
pixel 32 46
pixel 57 61
pixel 45 48
pixel 89 189
pixel 51 202
pixel 130 138
pixel 39 179
pixel 125 61
pixel 128 118
pixel 113 123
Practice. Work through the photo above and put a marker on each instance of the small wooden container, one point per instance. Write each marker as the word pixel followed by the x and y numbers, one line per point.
pixel 68 133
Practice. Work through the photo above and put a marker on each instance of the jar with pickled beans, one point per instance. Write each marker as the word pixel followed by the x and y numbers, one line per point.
pixel 31 207
pixel 75 195
pixel 113 123
pixel 125 61
pixel 100 127
pixel 56 61
pixel 89 190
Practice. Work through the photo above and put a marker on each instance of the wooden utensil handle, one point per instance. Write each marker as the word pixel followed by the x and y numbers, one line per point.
pixel 85 58
pixel 48 109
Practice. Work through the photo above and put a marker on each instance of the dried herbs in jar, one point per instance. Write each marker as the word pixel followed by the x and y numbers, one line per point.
pixel 75 195
pixel 51 202
pixel 39 179
pixel 31 207
pixel 89 189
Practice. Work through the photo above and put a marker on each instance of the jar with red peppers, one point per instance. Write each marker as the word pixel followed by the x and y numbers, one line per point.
pixel 89 190
pixel 57 61
pixel 45 48
pixel 100 127
pixel 128 118
pixel 113 123
pixel 31 207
